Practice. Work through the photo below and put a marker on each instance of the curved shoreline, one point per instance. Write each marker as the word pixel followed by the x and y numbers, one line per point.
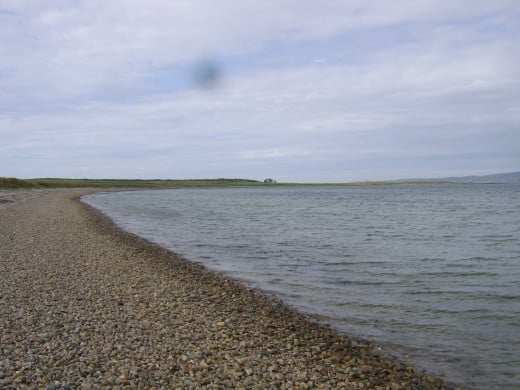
pixel 87 304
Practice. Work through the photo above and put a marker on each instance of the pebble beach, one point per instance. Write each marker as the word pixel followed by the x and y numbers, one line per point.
pixel 85 305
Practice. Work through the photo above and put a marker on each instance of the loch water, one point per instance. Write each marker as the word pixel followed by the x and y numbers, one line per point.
pixel 429 272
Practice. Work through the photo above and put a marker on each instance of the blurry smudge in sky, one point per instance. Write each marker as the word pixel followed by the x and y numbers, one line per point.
pixel 206 74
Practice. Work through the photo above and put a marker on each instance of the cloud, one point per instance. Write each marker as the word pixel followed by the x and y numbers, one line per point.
pixel 309 89
pixel 273 153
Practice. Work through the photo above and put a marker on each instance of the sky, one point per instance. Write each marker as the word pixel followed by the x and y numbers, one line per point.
pixel 321 91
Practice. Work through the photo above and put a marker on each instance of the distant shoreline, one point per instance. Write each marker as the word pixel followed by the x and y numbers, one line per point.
pixel 13 183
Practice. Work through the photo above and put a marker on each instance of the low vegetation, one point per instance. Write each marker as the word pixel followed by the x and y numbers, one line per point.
pixel 13 183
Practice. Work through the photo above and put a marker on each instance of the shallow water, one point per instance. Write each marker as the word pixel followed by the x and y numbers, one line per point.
pixel 432 273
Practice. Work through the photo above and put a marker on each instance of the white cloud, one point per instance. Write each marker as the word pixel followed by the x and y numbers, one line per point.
pixel 276 153
pixel 300 82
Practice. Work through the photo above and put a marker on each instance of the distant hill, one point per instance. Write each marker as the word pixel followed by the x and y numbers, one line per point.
pixel 511 177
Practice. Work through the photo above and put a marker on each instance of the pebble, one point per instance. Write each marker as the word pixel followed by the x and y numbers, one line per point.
pixel 86 305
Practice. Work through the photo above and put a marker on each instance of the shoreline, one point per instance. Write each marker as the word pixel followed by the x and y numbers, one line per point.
pixel 87 304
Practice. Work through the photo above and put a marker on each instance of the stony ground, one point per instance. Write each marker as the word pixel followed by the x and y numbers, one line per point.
pixel 84 305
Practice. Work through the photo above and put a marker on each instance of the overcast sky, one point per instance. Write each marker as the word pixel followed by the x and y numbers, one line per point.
pixel 328 90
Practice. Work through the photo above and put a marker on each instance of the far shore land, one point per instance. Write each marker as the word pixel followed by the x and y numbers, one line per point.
pixel 14 183
pixel 84 304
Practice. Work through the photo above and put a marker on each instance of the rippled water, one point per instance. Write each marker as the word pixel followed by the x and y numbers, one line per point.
pixel 432 273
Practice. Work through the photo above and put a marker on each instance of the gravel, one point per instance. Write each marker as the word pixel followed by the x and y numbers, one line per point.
pixel 85 305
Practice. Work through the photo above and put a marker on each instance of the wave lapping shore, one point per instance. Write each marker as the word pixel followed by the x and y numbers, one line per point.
pixel 84 304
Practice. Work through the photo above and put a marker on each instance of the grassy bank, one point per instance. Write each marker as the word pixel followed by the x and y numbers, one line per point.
pixel 13 183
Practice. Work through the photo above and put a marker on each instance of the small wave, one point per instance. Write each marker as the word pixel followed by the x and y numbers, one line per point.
pixel 456 274
pixel 369 263
pixel 367 282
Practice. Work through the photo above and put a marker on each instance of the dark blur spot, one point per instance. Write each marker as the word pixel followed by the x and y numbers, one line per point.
pixel 206 74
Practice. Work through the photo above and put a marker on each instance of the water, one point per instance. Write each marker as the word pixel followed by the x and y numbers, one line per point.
pixel 432 273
